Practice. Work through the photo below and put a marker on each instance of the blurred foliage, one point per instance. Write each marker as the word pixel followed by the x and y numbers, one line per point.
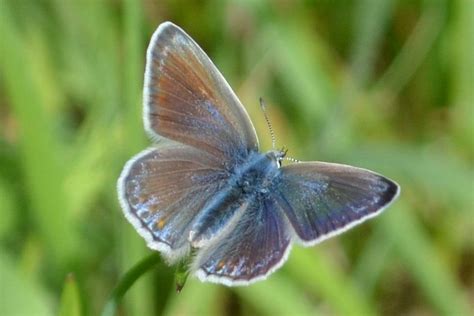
pixel 386 85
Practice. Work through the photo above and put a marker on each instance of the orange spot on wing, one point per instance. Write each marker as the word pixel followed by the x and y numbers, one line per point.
pixel 221 264
pixel 161 223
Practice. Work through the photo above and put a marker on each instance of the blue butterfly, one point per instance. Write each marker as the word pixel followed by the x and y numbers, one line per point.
pixel 206 188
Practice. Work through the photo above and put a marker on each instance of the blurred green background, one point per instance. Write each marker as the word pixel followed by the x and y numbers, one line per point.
pixel 386 85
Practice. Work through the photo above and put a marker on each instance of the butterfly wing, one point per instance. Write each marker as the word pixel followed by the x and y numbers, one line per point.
pixel 163 189
pixel 186 98
pixel 321 199
pixel 256 246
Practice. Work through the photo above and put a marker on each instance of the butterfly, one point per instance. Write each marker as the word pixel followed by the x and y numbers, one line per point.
pixel 206 188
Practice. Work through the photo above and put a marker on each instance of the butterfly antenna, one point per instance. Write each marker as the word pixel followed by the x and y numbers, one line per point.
pixel 264 109
pixel 291 159
pixel 285 157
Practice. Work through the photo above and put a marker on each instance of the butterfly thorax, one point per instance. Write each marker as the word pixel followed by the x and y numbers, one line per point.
pixel 256 174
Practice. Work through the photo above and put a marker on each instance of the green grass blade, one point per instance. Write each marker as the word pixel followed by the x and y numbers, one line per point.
pixel 196 298
pixel 373 261
pixel 19 295
pixel 302 74
pixel 39 146
pixel 276 296
pixel 421 260
pixel 461 45
pixel 128 280
pixel 416 48
pixel 316 274
pixel 70 304
pixel 370 22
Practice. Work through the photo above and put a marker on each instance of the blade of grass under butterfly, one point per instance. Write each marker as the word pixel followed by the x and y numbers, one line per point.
pixel 128 280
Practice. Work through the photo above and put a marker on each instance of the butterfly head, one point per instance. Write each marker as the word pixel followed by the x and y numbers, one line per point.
pixel 277 155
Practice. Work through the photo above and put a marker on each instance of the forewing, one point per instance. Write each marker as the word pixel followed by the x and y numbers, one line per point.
pixel 186 98
pixel 252 249
pixel 163 189
pixel 324 199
